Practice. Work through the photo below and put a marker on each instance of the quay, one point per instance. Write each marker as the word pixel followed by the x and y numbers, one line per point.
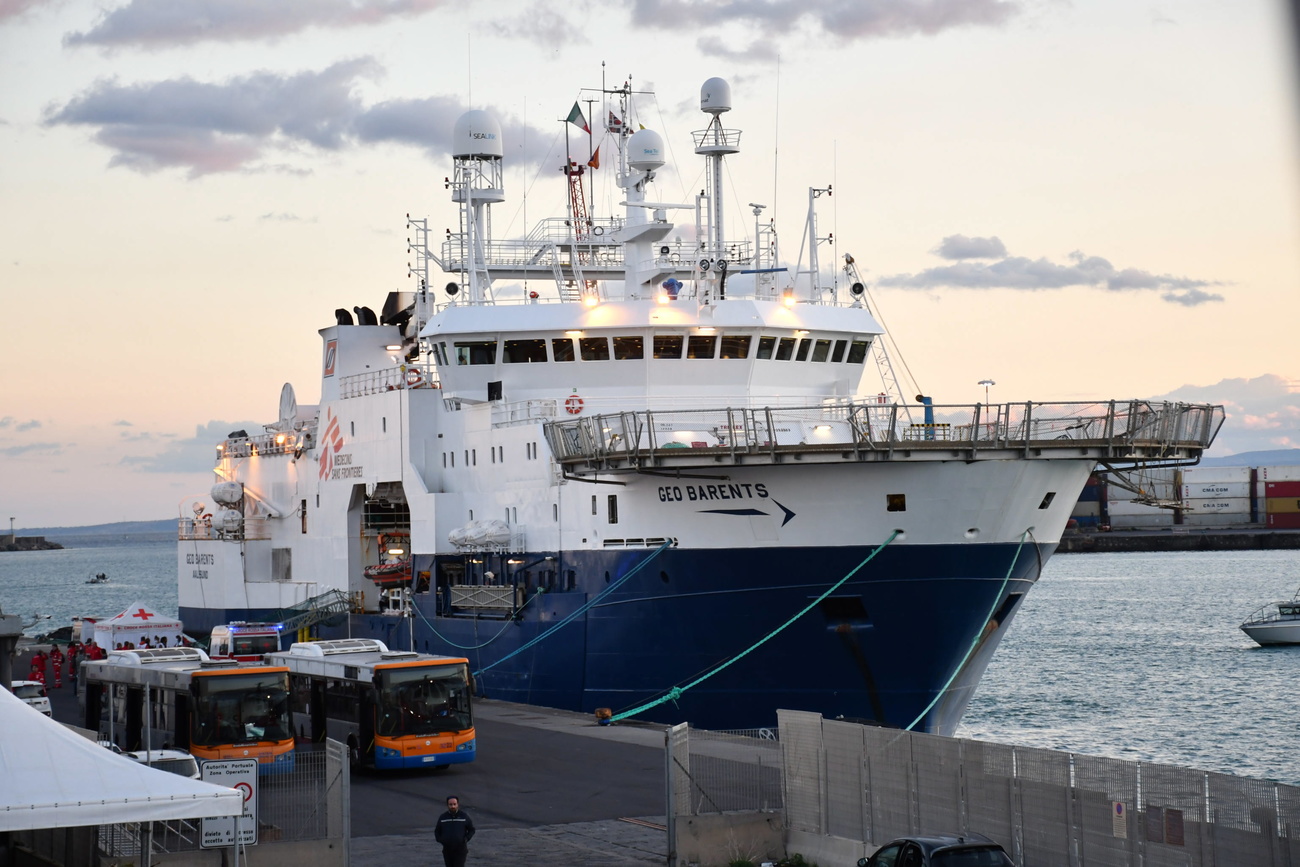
pixel 549 789
pixel 1178 539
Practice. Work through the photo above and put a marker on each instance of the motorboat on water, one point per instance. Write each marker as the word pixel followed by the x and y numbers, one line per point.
pixel 97 578
pixel 651 467
pixel 1275 623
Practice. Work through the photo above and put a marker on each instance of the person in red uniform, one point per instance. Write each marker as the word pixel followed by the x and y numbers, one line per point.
pixel 56 658
pixel 38 662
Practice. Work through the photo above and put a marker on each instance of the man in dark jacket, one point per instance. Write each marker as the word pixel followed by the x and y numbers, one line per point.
pixel 454 831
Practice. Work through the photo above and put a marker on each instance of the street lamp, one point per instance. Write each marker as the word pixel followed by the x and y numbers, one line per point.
pixel 986 383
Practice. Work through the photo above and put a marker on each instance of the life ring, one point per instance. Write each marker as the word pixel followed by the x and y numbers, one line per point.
pixel 205 519
pixel 598 230
pixel 414 377
pixel 573 405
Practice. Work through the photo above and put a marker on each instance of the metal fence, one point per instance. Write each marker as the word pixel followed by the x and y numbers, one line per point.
pixel 1047 808
pixel 309 803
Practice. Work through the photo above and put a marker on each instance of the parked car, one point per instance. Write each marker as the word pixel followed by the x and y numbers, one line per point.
pixel 32 692
pixel 939 850
pixel 172 761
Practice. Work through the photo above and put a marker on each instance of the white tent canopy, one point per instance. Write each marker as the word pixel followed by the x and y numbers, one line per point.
pixel 136 624
pixel 51 777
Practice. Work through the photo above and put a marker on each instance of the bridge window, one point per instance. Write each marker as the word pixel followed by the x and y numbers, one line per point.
pixel 701 346
pixel 785 349
pixel 765 346
pixel 594 348
pixel 628 348
pixel 1047 500
pixel 804 346
pixel 838 355
pixel 858 352
pixel 524 351
pixel 476 352
pixel 613 508
pixel 734 346
pixel 669 345
pixel 562 349
pixel 821 350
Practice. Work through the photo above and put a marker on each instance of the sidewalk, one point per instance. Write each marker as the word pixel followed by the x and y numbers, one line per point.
pixel 581 844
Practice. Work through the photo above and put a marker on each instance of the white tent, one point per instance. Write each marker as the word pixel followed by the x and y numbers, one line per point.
pixel 137 623
pixel 54 778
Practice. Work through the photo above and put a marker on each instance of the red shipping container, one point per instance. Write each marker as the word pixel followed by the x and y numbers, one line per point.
pixel 1282 489
pixel 1284 521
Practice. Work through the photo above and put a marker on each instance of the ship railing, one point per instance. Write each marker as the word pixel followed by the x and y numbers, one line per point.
pixel 856 430
pixel 267 444
pixel 197 529
pixel 524 412
pixel 396 378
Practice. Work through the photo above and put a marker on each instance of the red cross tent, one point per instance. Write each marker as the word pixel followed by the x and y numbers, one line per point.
pixel 136 624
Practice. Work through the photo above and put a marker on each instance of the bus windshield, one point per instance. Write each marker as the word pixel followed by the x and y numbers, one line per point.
pixel 241 708
pixel 423 699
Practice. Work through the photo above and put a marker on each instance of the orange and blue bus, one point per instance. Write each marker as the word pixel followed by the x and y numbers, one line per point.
pixel 177 697
pixel 393 709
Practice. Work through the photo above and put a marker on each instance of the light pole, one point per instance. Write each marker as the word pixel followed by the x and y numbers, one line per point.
pixel 986 383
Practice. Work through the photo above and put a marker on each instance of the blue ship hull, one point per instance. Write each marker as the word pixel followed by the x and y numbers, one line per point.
pixel 882 647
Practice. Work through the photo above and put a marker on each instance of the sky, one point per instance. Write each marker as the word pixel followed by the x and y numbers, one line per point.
pixel 1076 200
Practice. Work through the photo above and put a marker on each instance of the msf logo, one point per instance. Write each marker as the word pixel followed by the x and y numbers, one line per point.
pixel 331 444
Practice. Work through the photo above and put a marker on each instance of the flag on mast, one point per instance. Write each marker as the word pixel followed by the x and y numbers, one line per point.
pixel 594 162
pixel 575 117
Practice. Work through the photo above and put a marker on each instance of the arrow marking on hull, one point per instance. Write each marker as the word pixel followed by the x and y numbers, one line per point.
pixel 733 512
pixel 788 514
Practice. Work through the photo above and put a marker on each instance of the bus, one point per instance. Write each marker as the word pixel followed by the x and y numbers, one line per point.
pixel 179 698
pixel 394 709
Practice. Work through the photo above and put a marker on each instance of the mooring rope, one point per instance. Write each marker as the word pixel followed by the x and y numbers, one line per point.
pixel 975 642
pixel 677 692
pixel 579 611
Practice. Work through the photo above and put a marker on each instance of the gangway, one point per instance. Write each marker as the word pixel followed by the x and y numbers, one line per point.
pixel 318 609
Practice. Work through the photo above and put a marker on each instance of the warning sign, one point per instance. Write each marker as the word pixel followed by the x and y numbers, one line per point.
pixel 241 775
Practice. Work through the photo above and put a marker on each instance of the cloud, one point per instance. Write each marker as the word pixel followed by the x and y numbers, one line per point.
pixel 757 51
pixel 49 448
pixel 1262 412
pixel 545 25
pixel 284 218
pixel 194 455
pixel 28 425
pixel 236 125
pixel 844 20
pixel 123 423
pixel 11 422
pixel 10 9
pixel 961 247
pixel 1019 272
pixel 167 23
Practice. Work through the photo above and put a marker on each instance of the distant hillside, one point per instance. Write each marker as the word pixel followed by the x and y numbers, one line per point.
pixel 166 527
pixel 1272 458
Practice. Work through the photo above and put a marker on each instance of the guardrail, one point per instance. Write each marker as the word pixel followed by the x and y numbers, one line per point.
pixel 1140 431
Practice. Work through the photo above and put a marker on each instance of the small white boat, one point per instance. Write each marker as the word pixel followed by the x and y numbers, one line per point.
pixel 1275 623
pixel 97 578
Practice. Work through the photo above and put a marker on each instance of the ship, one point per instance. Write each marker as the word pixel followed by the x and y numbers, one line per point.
pixel 649 469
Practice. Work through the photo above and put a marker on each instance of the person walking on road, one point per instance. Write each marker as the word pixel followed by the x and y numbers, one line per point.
pixel 454 831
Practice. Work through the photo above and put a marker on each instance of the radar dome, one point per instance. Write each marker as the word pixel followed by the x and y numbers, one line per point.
pixel 715 96
pixel 645 150
pixel 477 134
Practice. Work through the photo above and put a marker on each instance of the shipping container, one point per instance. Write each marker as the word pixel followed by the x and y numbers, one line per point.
pixel 1090 494
pixel 1086 510
pixel 1150 490
pixel 1213 519
pixel 1287 521
pixel 1142 522
pixel 1282 505
pixel 1126 507
pixel 1216 475
pixel 1216 490
pixel 1226 506
pixel 1282 489
pixel 1280 474
pixel 1088 521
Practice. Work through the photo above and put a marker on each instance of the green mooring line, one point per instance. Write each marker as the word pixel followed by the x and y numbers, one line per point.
pixel 581 610
pixel 676 692
pixel 975 642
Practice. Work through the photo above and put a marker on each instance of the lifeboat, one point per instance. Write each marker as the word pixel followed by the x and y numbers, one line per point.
pixel 389 574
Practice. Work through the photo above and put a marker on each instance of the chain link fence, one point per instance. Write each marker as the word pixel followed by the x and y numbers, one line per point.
pixel 1047 808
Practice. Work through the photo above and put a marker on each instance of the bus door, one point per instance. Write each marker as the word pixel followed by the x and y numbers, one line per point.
pixel 367 733
pixel 316 710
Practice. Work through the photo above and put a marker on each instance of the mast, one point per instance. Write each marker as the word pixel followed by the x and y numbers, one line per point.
pixel 714 143
pixel 476 183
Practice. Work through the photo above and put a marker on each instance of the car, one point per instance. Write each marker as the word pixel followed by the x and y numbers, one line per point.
pixel 172 761
pixel 939 850
pixel 32 692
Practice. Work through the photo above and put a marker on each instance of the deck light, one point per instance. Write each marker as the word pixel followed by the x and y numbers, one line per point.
pixel 591 300
pixel 279 439
pixel 788 298
pixel 396 552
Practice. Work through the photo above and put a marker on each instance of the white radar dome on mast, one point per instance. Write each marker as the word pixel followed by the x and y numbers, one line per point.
pixel 715 96
pixel 477 135
pixel 645 150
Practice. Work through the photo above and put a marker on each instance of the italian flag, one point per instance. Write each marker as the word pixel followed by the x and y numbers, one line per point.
pixel 575 117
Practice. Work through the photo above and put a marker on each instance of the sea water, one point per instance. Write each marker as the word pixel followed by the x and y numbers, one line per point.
pixel 1132 656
